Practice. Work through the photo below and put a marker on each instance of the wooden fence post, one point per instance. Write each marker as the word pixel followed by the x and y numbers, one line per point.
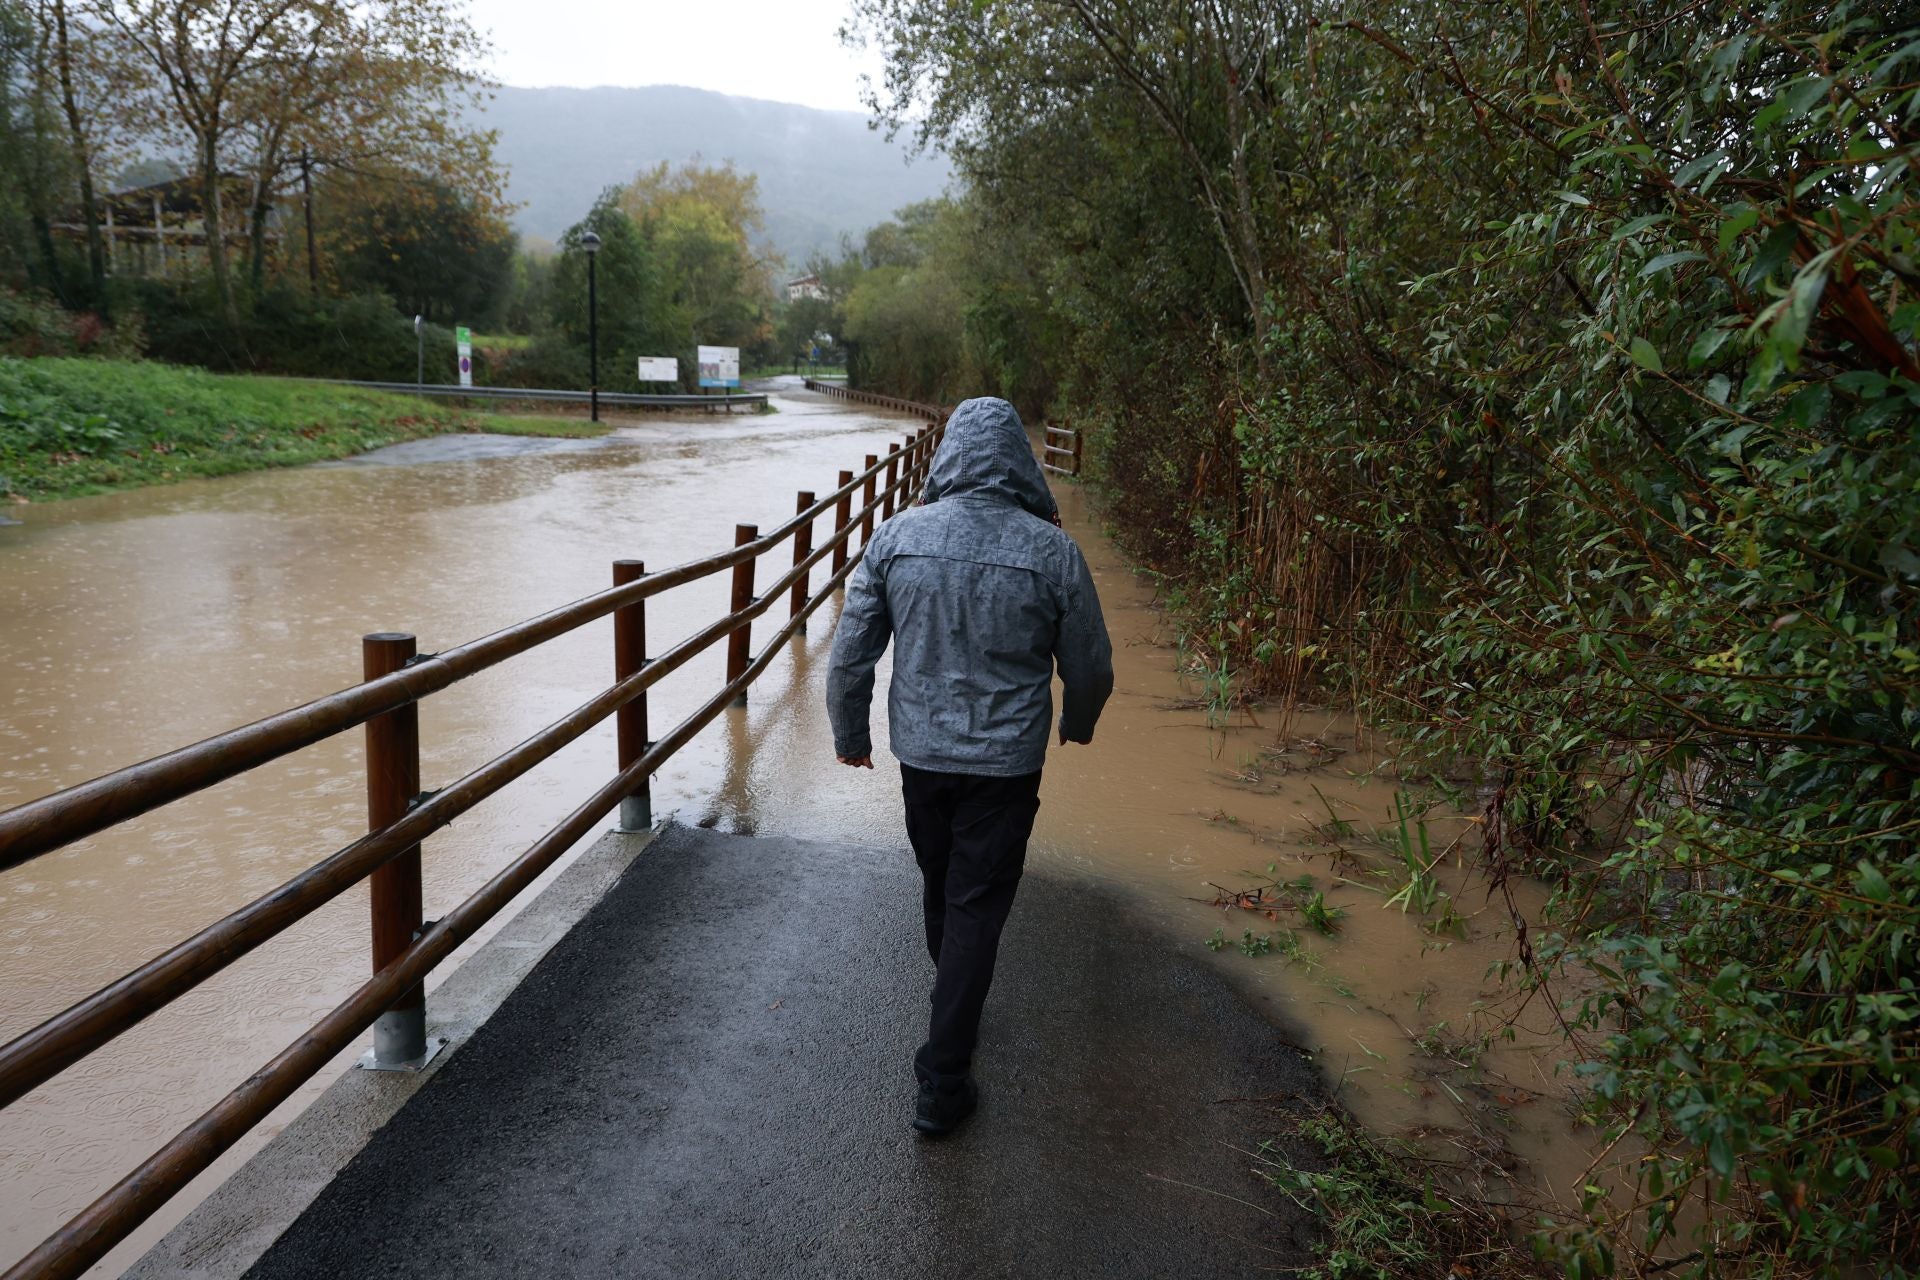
pixel 842 521
pixel 740 640
pixel 802 548
pixel 629 656
pixel 393 784
pixel 866 504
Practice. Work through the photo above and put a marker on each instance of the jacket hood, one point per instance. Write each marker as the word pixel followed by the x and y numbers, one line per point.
pixel 986 454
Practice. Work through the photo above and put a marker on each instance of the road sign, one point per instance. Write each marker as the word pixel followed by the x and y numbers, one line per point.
pixel 463 339
pixel 659 369
pixel 719 366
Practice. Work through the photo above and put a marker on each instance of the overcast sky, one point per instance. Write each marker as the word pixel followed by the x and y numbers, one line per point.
pixel 784 50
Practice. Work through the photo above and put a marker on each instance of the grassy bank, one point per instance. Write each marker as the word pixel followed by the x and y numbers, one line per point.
pixel 72 427
pixel 523 424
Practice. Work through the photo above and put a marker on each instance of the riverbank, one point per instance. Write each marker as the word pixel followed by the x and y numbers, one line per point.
pixel 72 427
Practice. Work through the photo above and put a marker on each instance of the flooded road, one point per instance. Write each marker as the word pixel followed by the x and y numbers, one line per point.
pixel 133 623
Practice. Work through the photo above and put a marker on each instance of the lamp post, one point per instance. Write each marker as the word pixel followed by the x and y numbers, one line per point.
pixel 590 244
pixel 419 351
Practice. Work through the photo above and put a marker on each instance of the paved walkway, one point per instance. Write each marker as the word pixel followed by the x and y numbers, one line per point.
pixel 710 1077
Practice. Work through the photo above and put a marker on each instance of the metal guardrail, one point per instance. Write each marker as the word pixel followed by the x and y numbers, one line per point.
pixel 627 399
pixel 400 815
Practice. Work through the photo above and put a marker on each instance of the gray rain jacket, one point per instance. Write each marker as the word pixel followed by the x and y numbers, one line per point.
pixel 983 595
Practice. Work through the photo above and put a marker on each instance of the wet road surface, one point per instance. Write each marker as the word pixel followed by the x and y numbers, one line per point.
pixel 710 1076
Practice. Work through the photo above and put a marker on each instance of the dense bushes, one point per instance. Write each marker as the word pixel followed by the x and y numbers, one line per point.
pixel 289 332
pixel 32 325
pixel 1547 378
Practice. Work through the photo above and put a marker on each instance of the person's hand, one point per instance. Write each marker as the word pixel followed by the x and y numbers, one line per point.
pixel 857 762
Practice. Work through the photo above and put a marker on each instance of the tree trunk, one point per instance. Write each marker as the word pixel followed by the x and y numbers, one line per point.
pixel 82 158
pixel 210 218
pixel 306 200
pixel 1248 229
pixel 43 237
pixel 257 238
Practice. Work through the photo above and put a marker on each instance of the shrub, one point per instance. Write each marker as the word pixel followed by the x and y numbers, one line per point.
pixel 34 325
pixel 289 332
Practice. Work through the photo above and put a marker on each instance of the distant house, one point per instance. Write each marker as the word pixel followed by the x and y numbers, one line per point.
pixel 808 286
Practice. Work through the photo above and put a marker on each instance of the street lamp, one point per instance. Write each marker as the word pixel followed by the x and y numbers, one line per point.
pixel 419 351
pixel 590 244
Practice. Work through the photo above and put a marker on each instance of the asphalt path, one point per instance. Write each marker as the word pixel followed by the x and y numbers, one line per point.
pixel 710 1076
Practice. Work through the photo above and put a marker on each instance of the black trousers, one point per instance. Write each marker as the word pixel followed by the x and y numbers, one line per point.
pixel 969 836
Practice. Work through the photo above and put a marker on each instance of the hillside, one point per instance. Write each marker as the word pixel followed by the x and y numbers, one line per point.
pixel 821 172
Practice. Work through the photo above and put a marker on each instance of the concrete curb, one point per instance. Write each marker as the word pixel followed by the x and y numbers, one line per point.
pixel 228 1231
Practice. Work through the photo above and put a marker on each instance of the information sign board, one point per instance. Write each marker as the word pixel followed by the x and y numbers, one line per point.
pixel 719 366
pixel 660 368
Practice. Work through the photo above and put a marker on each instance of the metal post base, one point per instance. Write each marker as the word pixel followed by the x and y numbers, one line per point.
pixel 636 814
pixel 400 1042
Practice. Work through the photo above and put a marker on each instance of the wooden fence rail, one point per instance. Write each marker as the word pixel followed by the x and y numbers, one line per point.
pixel 405 947
pixel 1070 450
pixel 931 412
pixel 1069 447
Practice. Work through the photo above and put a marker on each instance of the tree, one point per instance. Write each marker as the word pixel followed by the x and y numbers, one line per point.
pixel 34 167
pixel 274 72
pixel 427 247
pixel 802 321
pixel 700 222
pixel 1544 378
pixel 904 240
pixel 1204 76
pixel 904 324
pixel 635 317
pixel 81 64
pixel 381 92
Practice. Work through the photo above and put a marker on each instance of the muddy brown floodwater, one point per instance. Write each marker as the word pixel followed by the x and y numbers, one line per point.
pixel 133 623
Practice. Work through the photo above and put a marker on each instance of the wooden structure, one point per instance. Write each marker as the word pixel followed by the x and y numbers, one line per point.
pixel 159 230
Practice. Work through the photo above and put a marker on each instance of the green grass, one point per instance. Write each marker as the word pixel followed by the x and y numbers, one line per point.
pixel 1383 1215
pixel 73 427
pixel 518 424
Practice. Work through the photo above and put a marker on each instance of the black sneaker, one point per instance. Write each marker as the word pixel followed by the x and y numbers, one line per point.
pixel 937 1114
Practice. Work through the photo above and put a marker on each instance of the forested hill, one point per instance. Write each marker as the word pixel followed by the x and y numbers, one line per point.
pixel 821 172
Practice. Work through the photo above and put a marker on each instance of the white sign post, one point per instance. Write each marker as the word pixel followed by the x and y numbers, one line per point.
pixel 463 337
pixel 659 369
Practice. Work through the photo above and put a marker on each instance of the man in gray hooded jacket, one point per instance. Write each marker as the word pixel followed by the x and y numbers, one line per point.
pixel 982 595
